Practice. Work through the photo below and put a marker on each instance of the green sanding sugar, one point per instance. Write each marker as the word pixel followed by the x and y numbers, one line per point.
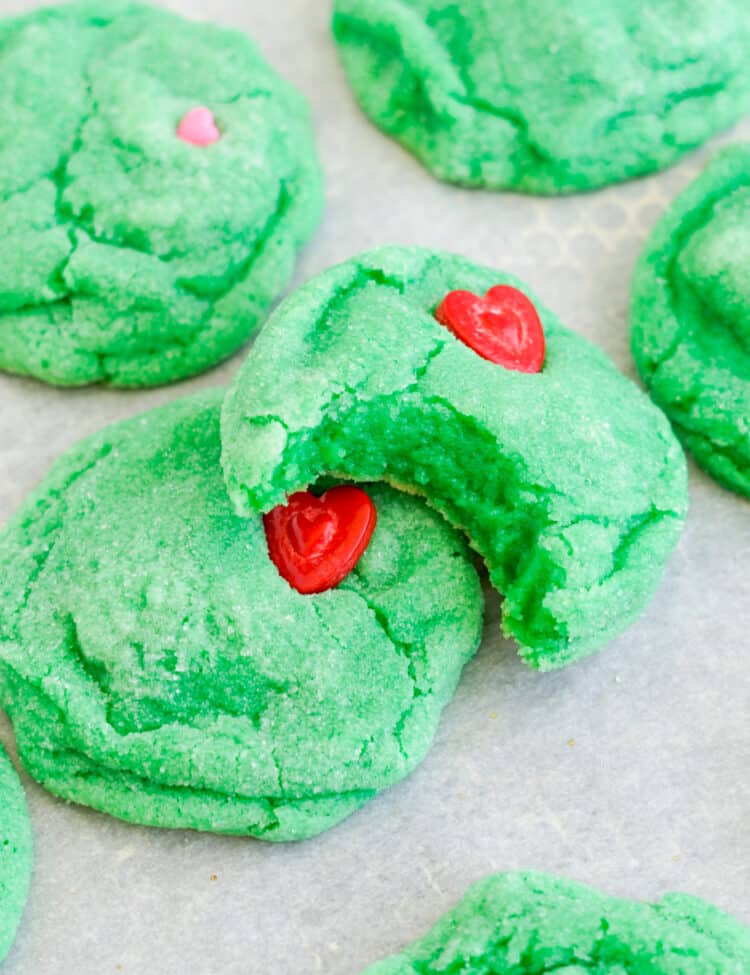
pixel 156 666
pixel 533 924
pixel 691 317
pixel 569 482
pixel 128 255
pixel 15 853
pixel 544 96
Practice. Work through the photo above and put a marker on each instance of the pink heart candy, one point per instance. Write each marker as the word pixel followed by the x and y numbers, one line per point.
pixel 198 127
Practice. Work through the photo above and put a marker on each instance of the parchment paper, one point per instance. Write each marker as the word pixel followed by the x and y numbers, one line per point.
pixel 627 771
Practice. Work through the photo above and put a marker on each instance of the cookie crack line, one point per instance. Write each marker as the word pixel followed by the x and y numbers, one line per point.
pixel 406 651
pixel 59 177
pixel 402 649
pixel 733 454
pixel 359 280
pixel 94 672
pixel 514 118
pixel 73 223
pixel 106 763
pixel 89 770
pixel 281 208
pixel 695 222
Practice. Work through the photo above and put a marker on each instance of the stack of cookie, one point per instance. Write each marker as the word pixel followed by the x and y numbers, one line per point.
pixel 244 612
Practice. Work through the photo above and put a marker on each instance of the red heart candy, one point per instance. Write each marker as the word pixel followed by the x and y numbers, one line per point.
pixel 503 326
pixel 316 542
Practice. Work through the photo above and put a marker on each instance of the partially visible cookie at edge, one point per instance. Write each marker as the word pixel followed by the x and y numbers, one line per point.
pixel 15 853
pixel 542 96
pixel 690 317
pixel 532 923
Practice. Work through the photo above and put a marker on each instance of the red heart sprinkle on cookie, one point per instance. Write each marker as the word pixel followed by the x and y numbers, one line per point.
pixel 316 542
pixel 199 127
pixel 503 327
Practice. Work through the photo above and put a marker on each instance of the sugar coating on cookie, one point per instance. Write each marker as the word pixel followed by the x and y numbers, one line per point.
pixel 156 666
pixel 157 179
pixel 534 923
pixel 690 317
pixel 568 481
pixel 543 96
pixel 15 853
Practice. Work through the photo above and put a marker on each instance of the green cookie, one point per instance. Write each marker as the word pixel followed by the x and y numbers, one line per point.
pixel 691 317
pixel 568 482
pixel 156 666
pixel 531 923
pixel 544 96
pixel 15 853
pixel 130 256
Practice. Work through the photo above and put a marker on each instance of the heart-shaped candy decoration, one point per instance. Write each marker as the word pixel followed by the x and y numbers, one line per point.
pixel 316 542
pixel 503 327
pixel 199 127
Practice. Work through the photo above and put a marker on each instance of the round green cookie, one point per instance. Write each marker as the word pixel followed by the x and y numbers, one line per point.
pixel 15 853
pixel 532 923
pixel 568 482
pixel 691 317
pixel 544 96
pixel 128 255
pixel 156 666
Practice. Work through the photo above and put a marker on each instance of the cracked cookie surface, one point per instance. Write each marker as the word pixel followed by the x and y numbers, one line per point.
pixel 568 482
pixel 546 97
pixel 690 317
pixel 15 853
pixel 130 256
pixel 534 923
pixel 157 667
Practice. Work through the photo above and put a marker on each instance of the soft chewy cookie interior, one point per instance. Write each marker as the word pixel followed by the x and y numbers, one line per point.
pixel 568 482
